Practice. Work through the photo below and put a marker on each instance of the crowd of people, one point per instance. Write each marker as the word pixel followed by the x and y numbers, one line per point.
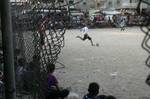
pixel 100 21
pixel 25 81
pixel 55 92
pixel 27 74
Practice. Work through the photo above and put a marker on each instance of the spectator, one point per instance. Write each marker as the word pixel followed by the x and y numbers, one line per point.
pixel 34 65
pixel 17 54
pixel 1 86
pixel 110 97
pixel 101 97
pixel 20 73
pixel 32 75
pixel 93 91
pixel 1 75
pixel 122 24
pixel 53 89
pixel 109 20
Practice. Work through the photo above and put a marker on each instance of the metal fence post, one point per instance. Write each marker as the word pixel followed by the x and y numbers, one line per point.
pixel 8 50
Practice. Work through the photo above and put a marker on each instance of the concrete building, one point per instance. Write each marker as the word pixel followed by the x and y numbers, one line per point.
pixel 130 4
pixel 85 5
pixel 119 4
pixel 108 4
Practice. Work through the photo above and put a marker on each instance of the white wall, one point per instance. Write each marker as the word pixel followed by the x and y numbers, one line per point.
pixel 18 0
pixel 89 4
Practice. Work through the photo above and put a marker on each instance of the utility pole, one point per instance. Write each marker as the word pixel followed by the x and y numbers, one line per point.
pixel 68 9
pixel 8 50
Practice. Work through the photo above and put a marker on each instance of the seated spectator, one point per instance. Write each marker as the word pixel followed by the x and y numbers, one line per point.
pixel 93 91
pixel 34 65
pixel 20 73
pixel 1 75
pixel 101 97
pixel 2 89
pixel 110 97
pixel 54 91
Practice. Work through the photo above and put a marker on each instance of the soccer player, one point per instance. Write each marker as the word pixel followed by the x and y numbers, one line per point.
pixel 85 30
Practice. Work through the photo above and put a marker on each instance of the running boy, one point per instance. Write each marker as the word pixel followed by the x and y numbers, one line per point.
pixel 85 30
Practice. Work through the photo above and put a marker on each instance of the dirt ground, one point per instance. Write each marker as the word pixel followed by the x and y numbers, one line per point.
pixel 117 64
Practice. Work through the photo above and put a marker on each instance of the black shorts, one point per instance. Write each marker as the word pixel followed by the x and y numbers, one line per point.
pixel 86 36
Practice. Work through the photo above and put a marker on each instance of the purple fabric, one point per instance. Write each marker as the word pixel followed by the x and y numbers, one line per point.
pixel 52 81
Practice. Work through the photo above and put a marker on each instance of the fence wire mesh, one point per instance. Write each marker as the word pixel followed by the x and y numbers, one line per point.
pixel 145 28
pixel 39 30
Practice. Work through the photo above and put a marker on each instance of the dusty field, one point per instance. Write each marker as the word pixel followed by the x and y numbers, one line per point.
pixel 117 64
